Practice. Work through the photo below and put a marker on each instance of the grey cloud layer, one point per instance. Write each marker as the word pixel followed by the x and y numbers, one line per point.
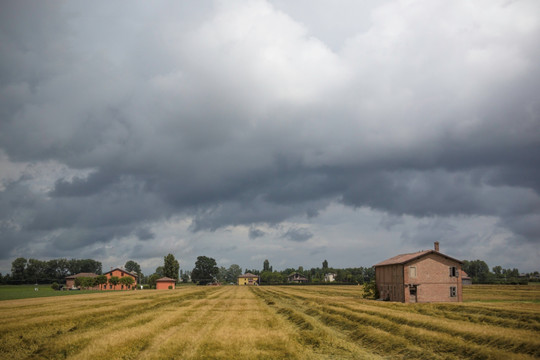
pixel 236 114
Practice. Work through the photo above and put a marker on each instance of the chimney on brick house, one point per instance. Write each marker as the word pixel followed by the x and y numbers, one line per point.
pixel 436 246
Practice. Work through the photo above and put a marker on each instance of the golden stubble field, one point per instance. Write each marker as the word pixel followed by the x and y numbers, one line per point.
pixel 278 322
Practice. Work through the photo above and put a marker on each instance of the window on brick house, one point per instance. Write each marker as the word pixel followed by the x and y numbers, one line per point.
pixel 452 291
pixel 412 271
pixel 453 271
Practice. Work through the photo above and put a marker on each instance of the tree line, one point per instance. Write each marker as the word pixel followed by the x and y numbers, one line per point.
pixel 32 271
pixel 358 275
pixel 480 273
pixel 206 271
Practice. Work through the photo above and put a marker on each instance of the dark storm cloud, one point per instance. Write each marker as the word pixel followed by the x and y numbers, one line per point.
pixel 297 234
pixel 236 114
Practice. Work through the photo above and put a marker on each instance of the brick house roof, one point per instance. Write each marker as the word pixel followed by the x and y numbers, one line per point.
pixel 81 275
pixel 405 258
pixel 248 275
pixel 123 270
pixel 166 279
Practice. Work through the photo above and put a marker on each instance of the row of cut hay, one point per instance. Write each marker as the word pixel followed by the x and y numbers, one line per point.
pixel 470 343
pixel 383 344
pixel 508 315
pixel 124 342
pixel 514 341
pixel 219 334
pixel 488 333
pixel 497 293
pixel 311 332
pixel 42 336
pixel 98 313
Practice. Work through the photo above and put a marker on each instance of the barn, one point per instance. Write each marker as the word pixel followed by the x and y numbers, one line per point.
pixel 423 276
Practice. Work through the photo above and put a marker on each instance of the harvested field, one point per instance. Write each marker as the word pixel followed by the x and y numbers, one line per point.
pixel 278 322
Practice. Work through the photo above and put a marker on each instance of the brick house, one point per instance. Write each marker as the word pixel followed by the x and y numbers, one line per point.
pixel 120 273
pixel 70 280
pixel 424 276
pixel 164 283
pixel 248 279
pixel 297 278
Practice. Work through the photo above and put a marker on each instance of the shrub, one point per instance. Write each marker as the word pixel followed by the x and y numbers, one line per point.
pixel 170 287
pixel 146 287
pixel 370 290
pixel 55 286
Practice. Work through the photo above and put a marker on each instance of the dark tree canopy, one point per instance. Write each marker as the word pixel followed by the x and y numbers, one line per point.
pixel 17 268
pixel 266 265
pixel 133 267
pixel 205 270
pixel 325 265
pixel 171 267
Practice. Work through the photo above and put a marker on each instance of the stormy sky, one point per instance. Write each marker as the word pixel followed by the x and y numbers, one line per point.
pixel 294 131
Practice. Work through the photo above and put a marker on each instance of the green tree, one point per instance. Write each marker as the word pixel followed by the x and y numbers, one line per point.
pixel 17 269
pixel 478 270
pixel 185 277
pixel 35 270
pixel 160 270
pixel 152 280
pixel 133 267
pixel 370 290
pixel 101 280
pixel 497 270
pixel 222 274
pixel 325 264
pixel 171 267
pixel 205 270
pixel 114 280
pixel 88 282
pixel 231 276
pixel 266 265
pixel 127 281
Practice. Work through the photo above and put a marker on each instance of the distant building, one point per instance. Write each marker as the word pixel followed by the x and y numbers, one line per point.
pixel 424 276
pixel 330 277
pixel 465 278
pixel 248 279
pixel 297 278
pixel 70 280
pixel 120 273
pixel 164 283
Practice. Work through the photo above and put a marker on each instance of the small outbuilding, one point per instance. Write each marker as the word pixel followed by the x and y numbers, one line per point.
pixel 465 278
pixel 248 279
pixel 70 280
pixel 165 283
pixel 424 276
